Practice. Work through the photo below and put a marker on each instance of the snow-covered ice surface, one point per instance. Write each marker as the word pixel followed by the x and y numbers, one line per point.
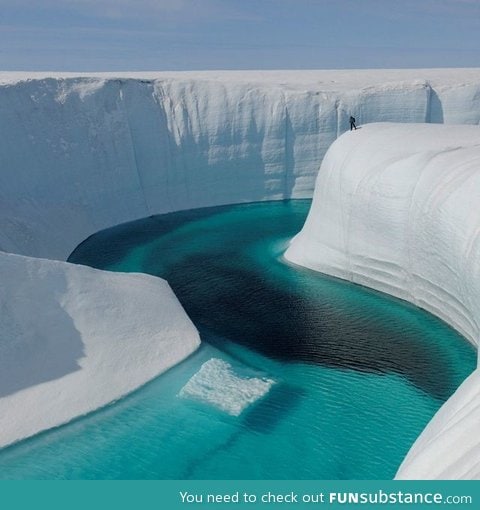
pixel 73 339
pixel 396 209
pixel 217 384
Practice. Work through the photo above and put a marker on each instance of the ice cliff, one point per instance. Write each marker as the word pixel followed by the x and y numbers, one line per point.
pixel 395 208
pixel 79 153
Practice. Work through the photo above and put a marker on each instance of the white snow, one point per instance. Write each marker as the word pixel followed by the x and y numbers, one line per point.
pixel 73 339
pixel 218 385
pixel 396 209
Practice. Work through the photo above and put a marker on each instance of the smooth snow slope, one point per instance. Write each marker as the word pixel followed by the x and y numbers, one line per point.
pixel 396 209
pixel 82 153
pixel 73 339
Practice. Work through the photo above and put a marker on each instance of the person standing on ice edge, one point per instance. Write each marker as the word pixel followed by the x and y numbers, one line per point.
pixel 352 123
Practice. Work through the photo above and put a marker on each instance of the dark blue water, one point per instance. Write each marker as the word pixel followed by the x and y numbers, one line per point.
pixel 357 374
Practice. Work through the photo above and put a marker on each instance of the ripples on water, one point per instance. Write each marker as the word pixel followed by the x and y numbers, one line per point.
pixel 358 375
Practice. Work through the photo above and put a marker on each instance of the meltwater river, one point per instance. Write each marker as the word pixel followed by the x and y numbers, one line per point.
pixel 357 374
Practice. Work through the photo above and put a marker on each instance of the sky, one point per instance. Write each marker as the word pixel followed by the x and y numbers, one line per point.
pixel 156 35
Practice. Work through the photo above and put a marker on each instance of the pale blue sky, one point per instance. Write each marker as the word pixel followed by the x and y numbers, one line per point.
pixel 94 35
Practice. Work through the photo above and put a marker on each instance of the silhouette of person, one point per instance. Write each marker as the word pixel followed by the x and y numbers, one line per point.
pixel 352 123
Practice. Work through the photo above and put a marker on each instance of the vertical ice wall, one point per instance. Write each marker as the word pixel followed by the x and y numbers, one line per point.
pixel 84 153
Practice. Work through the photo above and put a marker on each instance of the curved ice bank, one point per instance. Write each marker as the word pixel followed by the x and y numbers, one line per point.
pixel 80 153
pixel 73 339
pixel 395 208
pixel 449 447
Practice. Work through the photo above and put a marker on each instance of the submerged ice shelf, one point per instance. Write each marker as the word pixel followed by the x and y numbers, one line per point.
pixel 396 209
pixel 217 384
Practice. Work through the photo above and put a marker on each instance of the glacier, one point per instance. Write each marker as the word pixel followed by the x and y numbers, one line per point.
pixel 84 152
pixel 395 208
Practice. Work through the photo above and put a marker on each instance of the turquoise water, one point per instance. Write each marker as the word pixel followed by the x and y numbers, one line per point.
pixel 358 374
